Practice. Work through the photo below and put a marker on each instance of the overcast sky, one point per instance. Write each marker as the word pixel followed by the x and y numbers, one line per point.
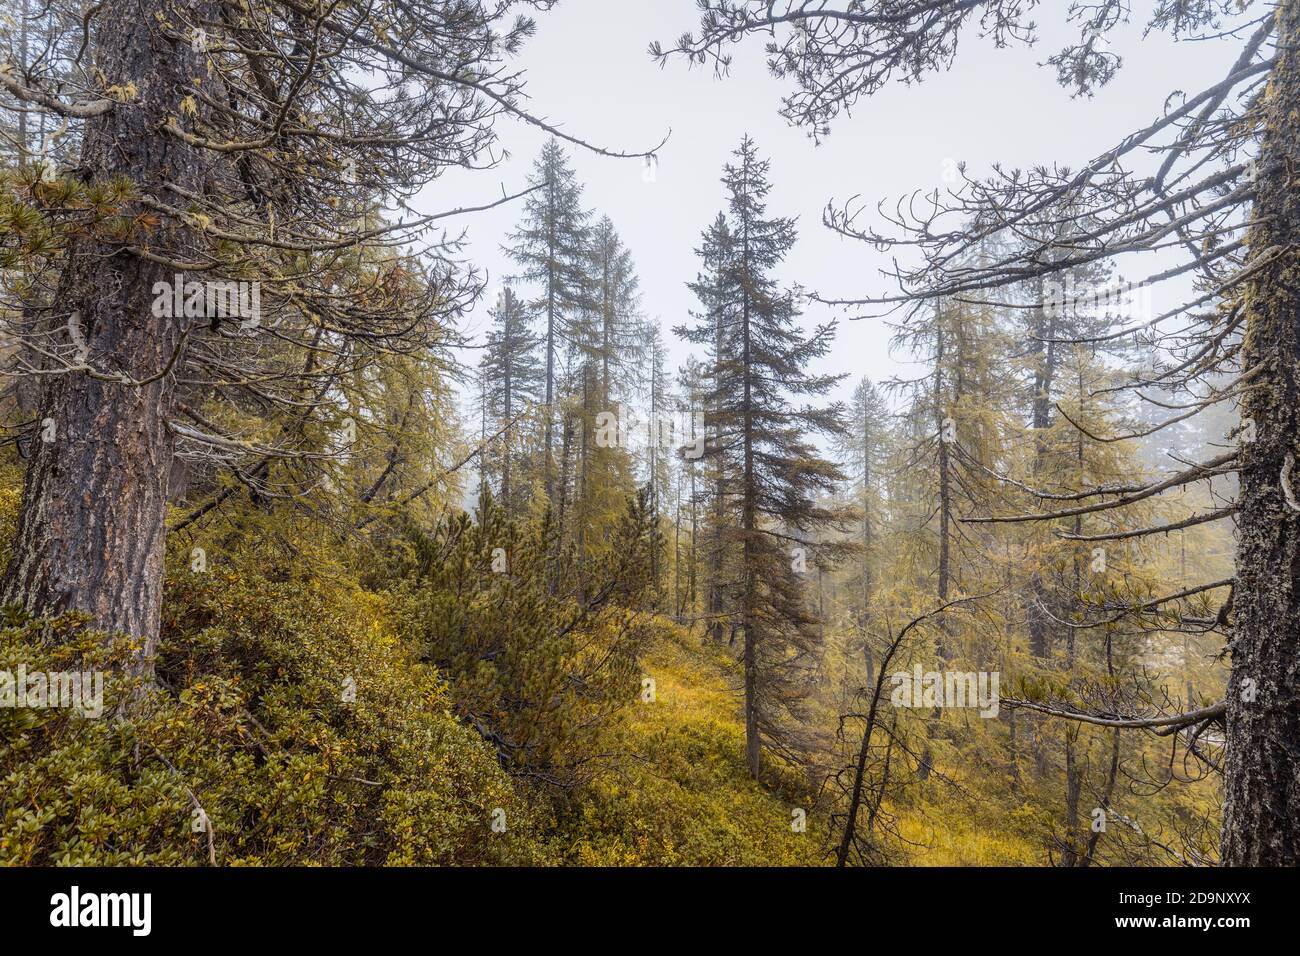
pixel 588 70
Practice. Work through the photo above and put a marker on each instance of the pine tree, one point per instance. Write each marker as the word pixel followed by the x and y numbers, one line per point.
pixel 1053 319
pixel 551 245
pixel 188 134
pixel 539 670
pixel 512 383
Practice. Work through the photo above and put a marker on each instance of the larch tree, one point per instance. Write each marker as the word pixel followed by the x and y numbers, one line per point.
pixel 1206 181
pixel 953 410
pixel 864 450
pixel 512 386
pixel 608 350
pixel 551 245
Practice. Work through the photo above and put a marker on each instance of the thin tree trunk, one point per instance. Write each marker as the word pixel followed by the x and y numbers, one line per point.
pixel 945 491
pixel 509 410
pixel 753 743
pixel 719 497
pixel 582 494
pixel 654 477
pixel 548 466
pixel 694 552
pixel 1040 421
pixel 1073 773
pixel 677 553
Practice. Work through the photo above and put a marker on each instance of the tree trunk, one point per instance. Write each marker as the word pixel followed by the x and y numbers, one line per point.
pixel 694 553
pixel 508 414
pixel 548 467
pixel 749 523
pixel 677 555
pixel 866 522
pixel 1262 767
pixel 718 542
pixel 90 534
pixel 1040 421
pixel 945 490
pixel 654 482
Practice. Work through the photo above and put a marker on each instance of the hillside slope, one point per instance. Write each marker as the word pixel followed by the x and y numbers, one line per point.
pixel 680 793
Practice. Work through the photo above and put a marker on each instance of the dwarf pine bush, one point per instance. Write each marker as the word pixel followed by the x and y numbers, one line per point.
pixel 288 725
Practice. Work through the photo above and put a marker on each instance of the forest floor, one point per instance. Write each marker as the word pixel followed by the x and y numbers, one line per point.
pixel 682 793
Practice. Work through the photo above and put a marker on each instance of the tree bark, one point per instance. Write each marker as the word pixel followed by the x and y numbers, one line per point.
pixel 1262 767
pixel 90 532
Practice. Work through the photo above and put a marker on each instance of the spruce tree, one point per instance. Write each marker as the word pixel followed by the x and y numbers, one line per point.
pixel 774 471
pixel 713 328
pixel 692 385
pixel 551 245
pixel 659 438
pixel 512 382
pixel 616 336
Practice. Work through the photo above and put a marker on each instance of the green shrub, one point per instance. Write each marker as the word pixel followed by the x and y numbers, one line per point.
pixel 541 652
pixel 252 719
